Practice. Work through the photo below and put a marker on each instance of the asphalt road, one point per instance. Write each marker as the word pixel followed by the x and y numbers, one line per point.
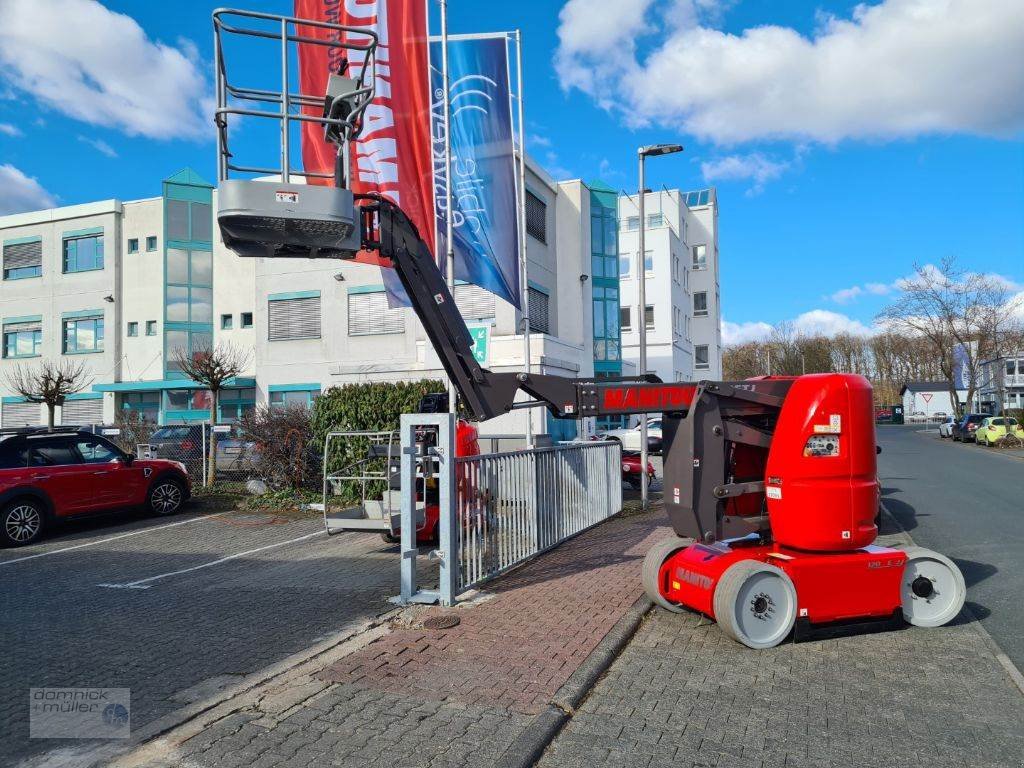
pixel 173 609
pixel 967 503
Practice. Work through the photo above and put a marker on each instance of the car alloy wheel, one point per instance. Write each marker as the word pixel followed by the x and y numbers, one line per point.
pixel 165 498
pixel 22 523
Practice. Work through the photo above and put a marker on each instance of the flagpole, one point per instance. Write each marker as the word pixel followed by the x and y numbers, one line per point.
pixel 448 219
pixel 524 292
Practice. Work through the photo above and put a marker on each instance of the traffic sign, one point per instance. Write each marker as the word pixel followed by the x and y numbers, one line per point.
pixel 927 397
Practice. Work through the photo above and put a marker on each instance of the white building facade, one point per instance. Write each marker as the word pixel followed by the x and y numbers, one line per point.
pixel 124 287
pixel 683 306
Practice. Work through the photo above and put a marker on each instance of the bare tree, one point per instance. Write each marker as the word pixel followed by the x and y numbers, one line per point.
pixel 213 367
pixel 49 382
pixel 965 318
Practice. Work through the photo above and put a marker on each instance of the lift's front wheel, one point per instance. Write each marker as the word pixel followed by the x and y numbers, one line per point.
pixel 651 570
pixel 932 590
pixel 755 604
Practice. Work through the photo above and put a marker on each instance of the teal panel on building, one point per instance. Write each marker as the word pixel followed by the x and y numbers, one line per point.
pixel 604 264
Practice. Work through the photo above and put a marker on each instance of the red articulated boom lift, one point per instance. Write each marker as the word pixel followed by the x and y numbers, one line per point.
pixel 770 483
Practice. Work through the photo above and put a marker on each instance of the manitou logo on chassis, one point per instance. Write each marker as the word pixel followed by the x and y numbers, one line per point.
pixel 651 398
pixel 695 579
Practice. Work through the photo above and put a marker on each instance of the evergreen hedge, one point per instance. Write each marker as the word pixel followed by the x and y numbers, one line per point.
pixel 373 406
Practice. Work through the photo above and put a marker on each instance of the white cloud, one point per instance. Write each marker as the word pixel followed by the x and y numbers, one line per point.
pixel 99 145
pixel 741 333
pixel 755 167
pixel 92 64
pixel 898 68
pixel 825 323
pixel 536 140
pixel 10 130
pixel 19 192
pixel 813 323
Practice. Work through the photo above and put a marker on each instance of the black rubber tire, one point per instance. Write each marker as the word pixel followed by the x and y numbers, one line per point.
pixel 158 492
pixel 10 537
pixel 390 538
pixel 653 560
pixel 727 594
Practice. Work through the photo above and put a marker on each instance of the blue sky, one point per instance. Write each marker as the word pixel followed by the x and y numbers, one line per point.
pixel 847 143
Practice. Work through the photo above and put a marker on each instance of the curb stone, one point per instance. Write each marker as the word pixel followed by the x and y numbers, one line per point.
pixel 1007 664
pixel 527 749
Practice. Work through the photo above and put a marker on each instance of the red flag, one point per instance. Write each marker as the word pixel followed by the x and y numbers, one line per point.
pixel 392 155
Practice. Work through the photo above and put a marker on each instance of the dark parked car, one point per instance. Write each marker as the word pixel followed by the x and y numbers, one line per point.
pixel 186 443
pixel 47 476
pixel 964 429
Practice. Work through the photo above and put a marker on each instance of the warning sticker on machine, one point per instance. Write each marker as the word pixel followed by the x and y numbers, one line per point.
pixel 772 492
pixel 834 426
pixel 287 197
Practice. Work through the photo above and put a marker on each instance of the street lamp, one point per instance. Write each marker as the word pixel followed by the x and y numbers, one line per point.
pixel 643 153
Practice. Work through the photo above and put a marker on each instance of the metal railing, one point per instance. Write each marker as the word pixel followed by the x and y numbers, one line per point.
pixel 512 506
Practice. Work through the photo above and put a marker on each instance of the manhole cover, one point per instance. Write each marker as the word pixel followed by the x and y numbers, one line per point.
pixel 444 621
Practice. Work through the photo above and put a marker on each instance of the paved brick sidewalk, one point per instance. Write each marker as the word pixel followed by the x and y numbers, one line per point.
pixel 436 698
pixel 682 694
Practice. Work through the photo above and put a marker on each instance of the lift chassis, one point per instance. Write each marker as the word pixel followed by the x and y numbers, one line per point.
pixel 770 483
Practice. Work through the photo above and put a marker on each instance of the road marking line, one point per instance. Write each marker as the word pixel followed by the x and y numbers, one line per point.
pixel 141 582
pixel 112 538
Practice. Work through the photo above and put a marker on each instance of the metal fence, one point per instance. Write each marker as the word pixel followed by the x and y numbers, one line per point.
pixel 512 506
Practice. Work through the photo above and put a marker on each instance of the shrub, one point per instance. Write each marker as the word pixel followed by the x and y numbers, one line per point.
pixel 134 430
pixel 372 407
pixel 285 455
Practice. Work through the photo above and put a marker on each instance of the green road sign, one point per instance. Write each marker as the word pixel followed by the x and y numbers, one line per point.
pixel 481 342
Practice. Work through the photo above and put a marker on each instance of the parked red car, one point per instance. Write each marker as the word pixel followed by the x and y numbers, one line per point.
pixel 631 469
pixel 47 476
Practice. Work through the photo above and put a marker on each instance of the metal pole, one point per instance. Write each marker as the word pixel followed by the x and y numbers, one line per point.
pixel 285 158
pixel 642 322
pixel 524 290
pixel 448 219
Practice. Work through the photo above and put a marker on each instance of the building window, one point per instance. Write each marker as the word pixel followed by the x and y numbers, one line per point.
pixel 23 339
pixel 624 265
pixel 146 404
pixel 23 260
pixel 700 304
pixel 606 323
pixel 370 315
pixel 133 329
pixel 245 320
pixel 151 327
pixel 649 261
pixel 298 394
pixel 83 334
pixel 624 318
pixel 675 267
pixel 700 256
pixel 189 221
pixel 632 223
pixel 133 245
pixel 296 317
pixel 187 400
pixel 700 356
pixel 189 273
pixel 151 243
pixel 227 322
pixel 234 403
pixel 536 217
pixel 179 341
pixel 537 305
pixel 655 220
pixel 649 315
pixel 474 302
pixel 83 254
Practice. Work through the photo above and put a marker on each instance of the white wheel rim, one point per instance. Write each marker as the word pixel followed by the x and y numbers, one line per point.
pixel 166 498
pixel 23 523
pixel 765 609
pixel 931 592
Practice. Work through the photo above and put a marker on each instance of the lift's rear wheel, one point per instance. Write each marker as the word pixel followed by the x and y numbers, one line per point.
pixel 932 590
pixel 755 604
pixel 655 558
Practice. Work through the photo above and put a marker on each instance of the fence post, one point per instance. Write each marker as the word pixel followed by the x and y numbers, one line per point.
pixel 407 494
pixel 447 499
